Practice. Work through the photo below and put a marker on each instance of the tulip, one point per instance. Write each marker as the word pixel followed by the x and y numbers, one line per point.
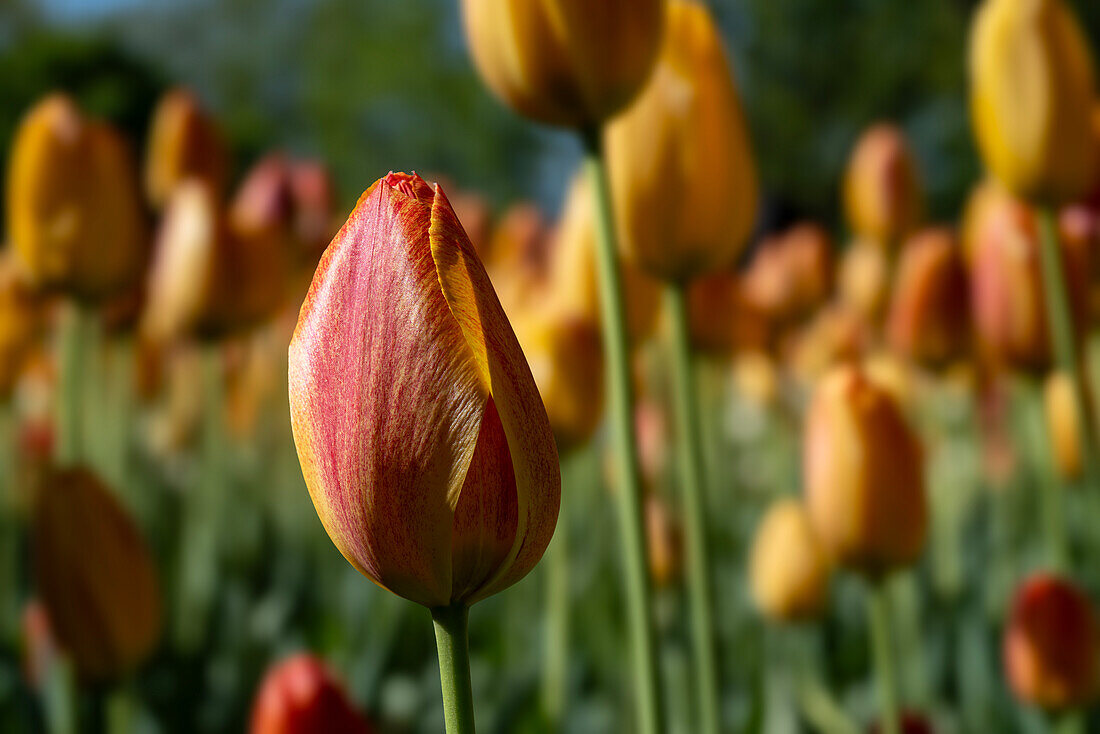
pixel 1064 426
pixel 864 279
pixel 1051 644
pixel 574 284
pixel 882 189
pixel 402 346
pixel 715 312
pixel 864 475
pixel 893 375
pixel 74 209
pixel 564 354
pixel 300 696
pixel 314 195
pixel 1032 97
pixel 20 323
pixel 788 569
pixel 208 279
pixel 928 320
pixel 837 334
pixel 665 542
pixel 791 273
pixel 564 62
pixel 264 201
pixel 756 377
pixel 95 576
pixel 679 159
pixel 184 143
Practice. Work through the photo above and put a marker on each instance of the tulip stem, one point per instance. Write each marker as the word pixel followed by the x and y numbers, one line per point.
pixel 1052 514
pixel 1059 311
pixel 882 648
pixel 556 655
pixel 453 645
pixel 73 363
pixel 690 441
pixel 639 609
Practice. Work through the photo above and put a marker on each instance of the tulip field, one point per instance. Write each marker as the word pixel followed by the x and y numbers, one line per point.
pixel 329 415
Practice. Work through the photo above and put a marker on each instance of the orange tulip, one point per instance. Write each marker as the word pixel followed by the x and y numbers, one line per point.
pixel 864 475
pixel 21 319
pixel 1052 644
pixel 422 438
pixel 74 208
pixel 565 62
pixel 791 273
pixel 929 315
pixel 184 143
pixel 300 696
pixel 788 569
pixel 679 159
pixel 882 189
pixel 95 576
pixel 863 282
pixel 1064 425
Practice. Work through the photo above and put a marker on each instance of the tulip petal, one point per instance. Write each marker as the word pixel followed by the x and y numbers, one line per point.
pixel 506 376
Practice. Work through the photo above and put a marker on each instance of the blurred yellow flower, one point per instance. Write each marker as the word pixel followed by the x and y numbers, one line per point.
pixel 788 569
pixel 882 189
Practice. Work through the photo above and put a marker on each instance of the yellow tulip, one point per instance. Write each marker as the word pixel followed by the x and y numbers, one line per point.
pixel 679 159
pixel 882 189
pixel 184 143
pixel 74 208
pixel 565 62
pixel 863 280
pixel 1063 425
pixel 20 321
pixel 1031 98
pixel 788 569
pixel 422 438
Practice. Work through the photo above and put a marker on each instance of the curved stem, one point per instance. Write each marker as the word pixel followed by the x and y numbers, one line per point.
pixel 1060 316
pixel 453 645
pixel 879 612
pixel 639 610
pixel 690 441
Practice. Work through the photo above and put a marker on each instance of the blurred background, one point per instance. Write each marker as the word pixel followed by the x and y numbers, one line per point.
pixel 369 86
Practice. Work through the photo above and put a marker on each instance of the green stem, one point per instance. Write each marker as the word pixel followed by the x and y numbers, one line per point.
pixel 690 448
pixel 1060 314
pixel 453 645
pixel 120 708
pixel 73 362
pixel 556 657
pixel 60 698
pixel 1052 514
pixel 879 612
pixel 639 609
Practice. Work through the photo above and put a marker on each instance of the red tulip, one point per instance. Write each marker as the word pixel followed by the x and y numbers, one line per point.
pixel 423 439
pixel 300 696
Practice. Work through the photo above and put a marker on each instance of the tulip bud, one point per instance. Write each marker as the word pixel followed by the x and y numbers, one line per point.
pixel 788 569
pixel 184 143
pixel 20 323
pixel 421 434
pixel 679 159
pixel 717 311
pixel 564 62
pixel 1064 425
pixel 755 377
pixel 791 273
pixel 929 316
pixel 664 542
pixel 74 209
pixel 864 279
pixel 574 282
pixel 1031 98
pixel 1051 644
pixel 300 696
pixel 1009 309
pixel 565 354
pixel 264 201
pixel 882 189
pixel 95 576
pixel 864 475
pixel 207 278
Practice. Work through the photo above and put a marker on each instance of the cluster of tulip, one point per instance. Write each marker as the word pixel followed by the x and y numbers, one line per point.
pixel 450 375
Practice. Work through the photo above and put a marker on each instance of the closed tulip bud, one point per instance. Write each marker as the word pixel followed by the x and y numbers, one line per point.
pixel 564 62
pixel 665 543
pixel 791 273
pixel 565 354
pixel 574 283
pixel 21 320
pixel 1064 425
pixel 679 159
pixel 74 209
pixel 1031 98
pixel 1051 644
pixel 863 282
pixel 264 202
pixel 95 576
pixel 300 696
pixel 788 569
pixel 882 188
pixel 1007 299
pixel 929 315
pixel 209 279
pixel 184 143
pixel 864 475
pixel 421 434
